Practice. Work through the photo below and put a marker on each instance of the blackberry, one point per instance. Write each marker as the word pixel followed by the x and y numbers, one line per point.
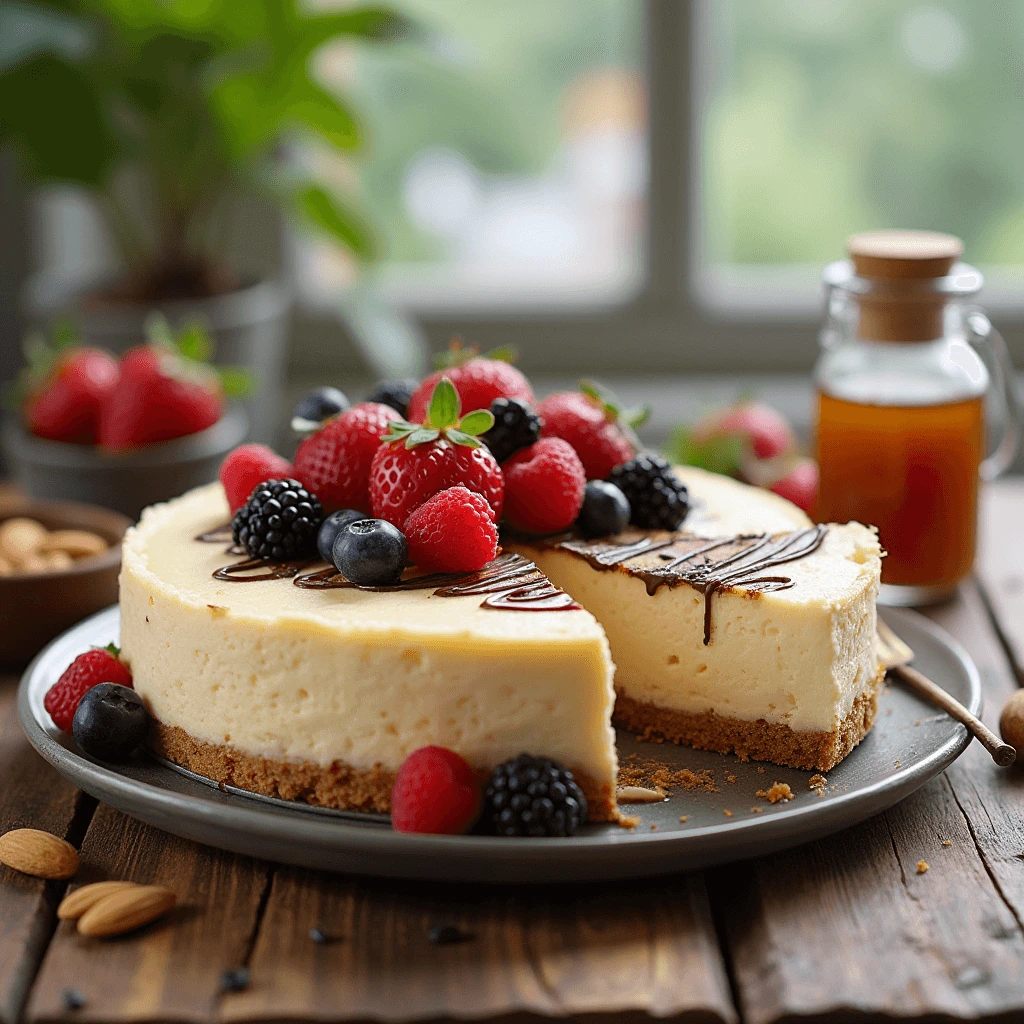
pixel 395 393
pixel 534 796
pixel 280 521
pixel 658 499
pixel 516 426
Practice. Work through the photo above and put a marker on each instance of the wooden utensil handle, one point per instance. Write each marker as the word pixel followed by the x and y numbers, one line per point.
pixel 1002 753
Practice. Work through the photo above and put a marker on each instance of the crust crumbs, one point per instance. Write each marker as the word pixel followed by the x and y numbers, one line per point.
pixel 779 791
pixel 653 775
pixel 922 866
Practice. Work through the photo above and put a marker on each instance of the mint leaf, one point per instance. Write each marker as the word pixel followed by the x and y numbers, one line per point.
pixel 636 417
pixel 194 342
pixel 719 454
pixel 421 435
pixel 477 422
pixel 458 437
pixel 444 405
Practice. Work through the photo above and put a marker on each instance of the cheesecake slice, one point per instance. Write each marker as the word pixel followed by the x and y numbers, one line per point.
pixel 750 630
pixel 281 681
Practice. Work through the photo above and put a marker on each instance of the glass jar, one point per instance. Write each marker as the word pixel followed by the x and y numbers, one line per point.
pixel 906 365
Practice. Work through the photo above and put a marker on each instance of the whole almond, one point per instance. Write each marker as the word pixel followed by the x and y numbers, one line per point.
pixel 57 560
pixel 76 903
pixel 38 853
pixel 5 567
pixel 77 543
pixel 20 538
pixel 33 563
pixel 126 910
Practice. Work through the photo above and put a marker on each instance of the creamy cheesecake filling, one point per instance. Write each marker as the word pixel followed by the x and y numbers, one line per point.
pixel 344 676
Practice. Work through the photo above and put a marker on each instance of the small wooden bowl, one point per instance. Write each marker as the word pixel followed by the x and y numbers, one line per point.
pixel 36 607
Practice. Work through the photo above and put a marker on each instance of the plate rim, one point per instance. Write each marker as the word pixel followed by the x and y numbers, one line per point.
pixel 364 838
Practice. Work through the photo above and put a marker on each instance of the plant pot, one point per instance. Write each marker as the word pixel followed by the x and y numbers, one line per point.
pixel 125 482
pixel 249 329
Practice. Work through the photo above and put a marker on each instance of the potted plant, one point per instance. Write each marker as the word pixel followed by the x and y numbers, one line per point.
pixel 164 113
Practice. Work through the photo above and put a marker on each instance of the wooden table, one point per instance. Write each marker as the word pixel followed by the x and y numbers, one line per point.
pixel 845 924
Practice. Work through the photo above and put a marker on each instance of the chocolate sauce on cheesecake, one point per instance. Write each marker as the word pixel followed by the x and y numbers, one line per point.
pixel 255 570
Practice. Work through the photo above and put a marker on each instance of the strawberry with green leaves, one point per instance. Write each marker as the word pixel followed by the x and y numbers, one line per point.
pixel 594 423
pixel 418 460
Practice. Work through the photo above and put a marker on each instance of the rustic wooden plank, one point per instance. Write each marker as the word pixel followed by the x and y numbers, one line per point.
pixel 847 924
pixel 171 969
pixel 624 947
pixel 1001 562
pixel 31 794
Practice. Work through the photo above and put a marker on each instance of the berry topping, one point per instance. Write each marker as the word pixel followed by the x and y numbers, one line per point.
pixel 416 462
pixel 280 521
pixel 110 722
pixel 435 791
pixel 799 485
pixel 335 461
pixel 544 486
pixel 657 497
pixel 534 796
pixel 605 510
pixel 315 407
pixel 86 671
pixel 479 380
pixel 395 393
pixel 516 426
pixel 247 466
pixel 331 527
pixel 453 531
pixel 370 553
pixel 592 421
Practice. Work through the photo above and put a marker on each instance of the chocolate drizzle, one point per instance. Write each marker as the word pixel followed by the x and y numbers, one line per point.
pixel 248 571
pixel 218 535
pixel 739 561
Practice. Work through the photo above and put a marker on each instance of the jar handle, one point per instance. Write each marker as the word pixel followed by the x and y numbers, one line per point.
pixel 982 335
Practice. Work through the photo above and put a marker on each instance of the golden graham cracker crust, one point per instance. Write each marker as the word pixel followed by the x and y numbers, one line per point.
pixel 339 785
pixel 758 740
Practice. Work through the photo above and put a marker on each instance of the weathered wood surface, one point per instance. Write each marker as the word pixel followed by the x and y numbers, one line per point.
pixel 1001 563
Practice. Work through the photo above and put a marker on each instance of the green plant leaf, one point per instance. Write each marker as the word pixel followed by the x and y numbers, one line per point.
pixel 194 342
pixel 477 422
pixel 421 435
pixel 444 407
pixel 636 417
pixel 458 437
pixel 503 353
pixel 398 430
pixel 328 213
pixel 236 382
pixel 374 22
pixel 719 454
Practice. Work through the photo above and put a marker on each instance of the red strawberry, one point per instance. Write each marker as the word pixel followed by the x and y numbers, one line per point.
pixel 592 422
pixel 100 665
pixel 418 460
pixel 453 531
pixel 479 380
pixel 334 463
pixel 436 792
pixel 760 427
pixel 544 486
pixel 799 485
pixel 247 466
pixel 65 406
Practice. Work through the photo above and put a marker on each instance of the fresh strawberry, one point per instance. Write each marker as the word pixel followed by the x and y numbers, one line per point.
pixel 544 486
pixel 436 792
pixel 759 427
pixel 479 380
pixel 334 463
pixel 100 665
pixel 592 421
pixel 416 461
pixel 247 466
pixel 799 485
pixel 453 531
pixel 65 385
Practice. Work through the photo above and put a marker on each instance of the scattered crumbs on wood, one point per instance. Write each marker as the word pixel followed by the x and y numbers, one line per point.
pixel 760 769
pixel 727 812
pixel 947 842
pixel 756 810
pixel 682 817
pixel 922 866
pixel 730 778
pixel 779 791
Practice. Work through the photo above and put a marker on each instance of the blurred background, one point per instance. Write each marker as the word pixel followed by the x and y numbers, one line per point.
pixel 640 189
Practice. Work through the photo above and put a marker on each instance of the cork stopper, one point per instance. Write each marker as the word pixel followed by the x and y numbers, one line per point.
pixel 900 309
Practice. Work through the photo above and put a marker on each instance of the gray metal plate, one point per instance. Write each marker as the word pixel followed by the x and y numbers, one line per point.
pixel 910 744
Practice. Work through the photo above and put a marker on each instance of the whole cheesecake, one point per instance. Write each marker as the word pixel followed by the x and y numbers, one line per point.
pixel 747 630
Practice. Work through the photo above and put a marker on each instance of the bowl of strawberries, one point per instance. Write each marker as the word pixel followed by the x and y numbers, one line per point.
pixel 122 433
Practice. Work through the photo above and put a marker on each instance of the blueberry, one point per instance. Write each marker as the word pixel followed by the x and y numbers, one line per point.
pixel 110 722
pixel 605 510
pixel 332 526
pixel 370 553
pixel 395 393
pixel 317 406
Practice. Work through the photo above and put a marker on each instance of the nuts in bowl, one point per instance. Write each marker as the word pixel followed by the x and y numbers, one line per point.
pixel 27 546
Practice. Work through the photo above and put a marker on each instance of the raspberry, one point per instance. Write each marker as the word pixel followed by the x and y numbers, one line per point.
pixel 479 382
pixel 453 531
pixel 534 796
pixel 435 791
pixel 544 486
pixel 100 665
pixel 592 429
pixel 335 461
pixel 247 466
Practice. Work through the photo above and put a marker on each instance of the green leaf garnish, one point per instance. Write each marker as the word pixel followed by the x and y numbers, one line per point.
pixel 503 354
pixel 442 422
pixel 477 422
pixel 444 405
pixel 612 408
pixel 421 435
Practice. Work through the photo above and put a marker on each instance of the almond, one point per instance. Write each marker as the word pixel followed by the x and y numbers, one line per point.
pixel 5 567
pixel 76 543
pixel 76 903
pixel 38 853
pixel 126 910
pixel 57 560
pixel 20 538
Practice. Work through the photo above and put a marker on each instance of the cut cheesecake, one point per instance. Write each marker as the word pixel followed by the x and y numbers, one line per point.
pixel 749 631
pixel 319 692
